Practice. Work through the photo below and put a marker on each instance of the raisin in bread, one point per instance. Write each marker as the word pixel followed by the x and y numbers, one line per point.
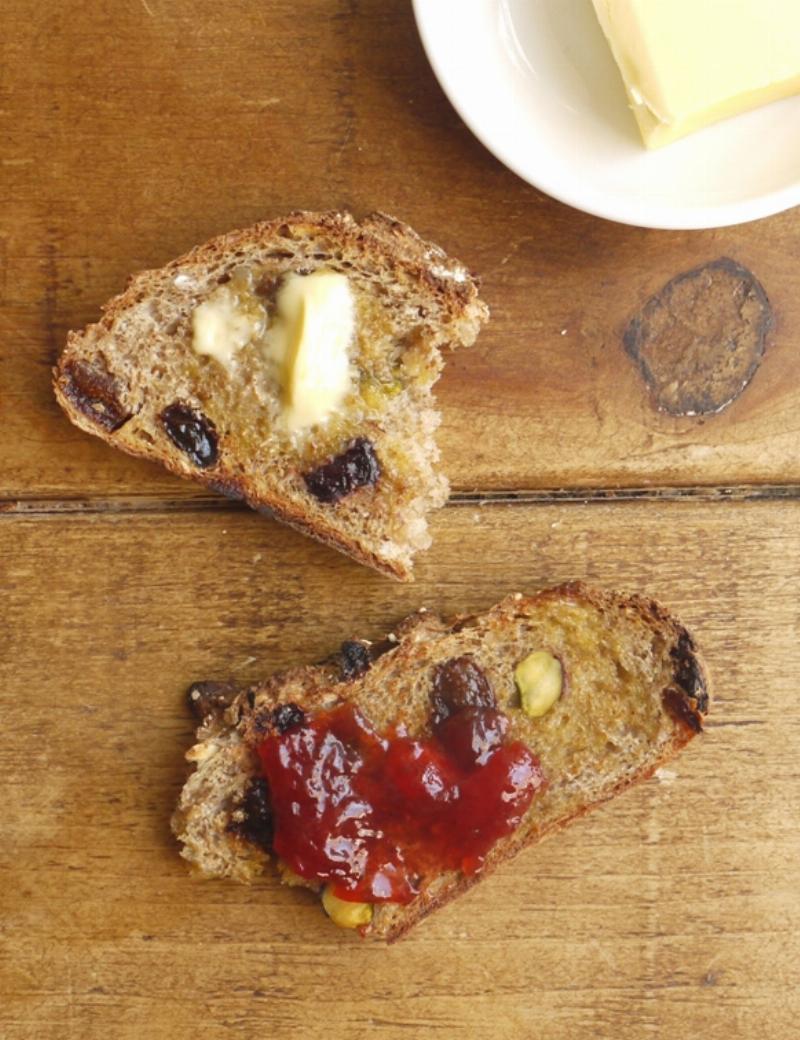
pixel 364 477
pixel 631 693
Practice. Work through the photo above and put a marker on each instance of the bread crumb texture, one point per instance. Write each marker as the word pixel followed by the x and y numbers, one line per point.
pixel 634 692
pixel 135 379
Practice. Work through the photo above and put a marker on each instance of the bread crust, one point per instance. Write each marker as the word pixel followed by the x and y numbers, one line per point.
pixel 682 698
pixel 381 244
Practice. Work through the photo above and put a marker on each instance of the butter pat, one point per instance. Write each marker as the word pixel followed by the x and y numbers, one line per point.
pixel 227 321
pixel 310 339
pixel 688 63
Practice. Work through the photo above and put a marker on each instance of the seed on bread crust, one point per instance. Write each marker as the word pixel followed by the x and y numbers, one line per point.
pixel 192 432
pixel 539 679
pixel 345 913
pixel 94 391
pixel 356 467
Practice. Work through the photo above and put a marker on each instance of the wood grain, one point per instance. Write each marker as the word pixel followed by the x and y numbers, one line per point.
pixel 671 913
pixel 133 131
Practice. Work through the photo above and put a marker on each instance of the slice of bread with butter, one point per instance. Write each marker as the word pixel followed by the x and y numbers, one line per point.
pixel 395 775
pixel 289 365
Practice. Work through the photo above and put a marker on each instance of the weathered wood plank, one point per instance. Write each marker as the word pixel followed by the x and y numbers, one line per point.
pixel 673 912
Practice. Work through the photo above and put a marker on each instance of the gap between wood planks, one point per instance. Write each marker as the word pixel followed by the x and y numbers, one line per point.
pixel 10 507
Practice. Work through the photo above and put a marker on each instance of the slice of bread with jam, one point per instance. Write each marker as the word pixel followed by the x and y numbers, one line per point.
pixel 289 365
pixel 395 775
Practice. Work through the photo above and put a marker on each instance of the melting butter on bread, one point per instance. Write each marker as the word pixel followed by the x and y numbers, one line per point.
pixel 289 365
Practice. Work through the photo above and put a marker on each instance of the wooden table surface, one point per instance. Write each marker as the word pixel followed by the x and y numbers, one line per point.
pixel 132 129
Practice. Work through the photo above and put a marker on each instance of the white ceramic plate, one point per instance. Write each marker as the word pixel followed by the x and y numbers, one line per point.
pixel 536 82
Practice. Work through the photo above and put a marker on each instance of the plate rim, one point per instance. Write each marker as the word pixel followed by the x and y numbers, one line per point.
pixel 635 214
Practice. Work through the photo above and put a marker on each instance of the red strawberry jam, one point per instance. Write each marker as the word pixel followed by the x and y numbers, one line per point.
pixel 372 813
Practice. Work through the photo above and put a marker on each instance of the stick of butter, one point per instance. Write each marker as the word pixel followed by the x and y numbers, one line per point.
pixel 688 63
